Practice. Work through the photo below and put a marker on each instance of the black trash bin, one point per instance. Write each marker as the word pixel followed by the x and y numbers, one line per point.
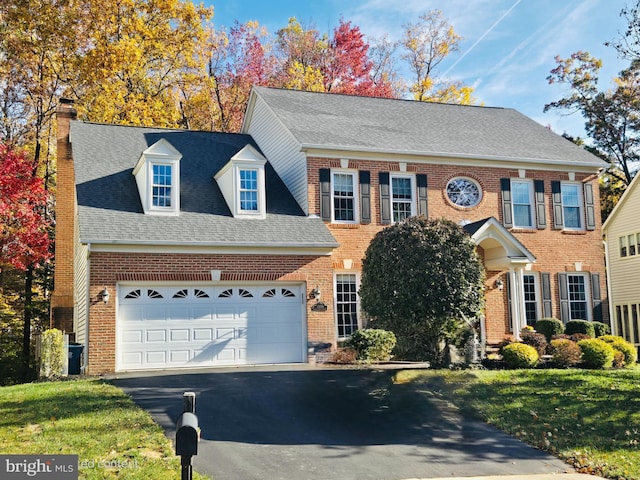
pixel 75 358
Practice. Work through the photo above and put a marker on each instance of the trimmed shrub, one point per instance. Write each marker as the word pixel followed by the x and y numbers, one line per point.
pixel 520 355
pixel 549 327
pixel 621 345
pixel 601 329
pixel 344 356
pixel 580 326
pixel 52 353
pixel 536 340
pixel 576 337
pixel 372 344
pixel 596 353
pixel 566 353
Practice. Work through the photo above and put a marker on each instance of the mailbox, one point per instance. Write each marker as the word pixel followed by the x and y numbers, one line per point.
pixel 187 434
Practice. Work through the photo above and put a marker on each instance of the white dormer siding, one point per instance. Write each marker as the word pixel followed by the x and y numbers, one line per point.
pixel 157 174
pixel 242 183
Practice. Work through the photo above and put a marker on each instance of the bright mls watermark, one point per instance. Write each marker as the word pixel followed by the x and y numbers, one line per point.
pixel 50 467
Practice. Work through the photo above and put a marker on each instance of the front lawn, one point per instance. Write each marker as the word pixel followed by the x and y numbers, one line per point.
pixel 112 437
pixel 589 418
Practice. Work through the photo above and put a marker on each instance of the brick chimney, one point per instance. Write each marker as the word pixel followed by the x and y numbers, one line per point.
pixel 62 298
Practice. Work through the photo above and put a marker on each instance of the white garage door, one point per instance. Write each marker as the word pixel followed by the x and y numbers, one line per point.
pixel 197 326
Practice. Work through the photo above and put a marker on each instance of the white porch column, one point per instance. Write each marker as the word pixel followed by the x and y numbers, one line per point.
pixel 516 280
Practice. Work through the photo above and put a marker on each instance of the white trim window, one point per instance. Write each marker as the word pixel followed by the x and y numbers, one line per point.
pixel 162 186
pixel 403 198
pixel 572 206
pixel 522 203
pixel 578 291
pixel 248 191
pixel 344 196
pixel 347 304
pixel 531 298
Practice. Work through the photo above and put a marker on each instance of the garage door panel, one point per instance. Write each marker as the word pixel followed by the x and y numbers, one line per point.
pixel 156 335
pixel 186 326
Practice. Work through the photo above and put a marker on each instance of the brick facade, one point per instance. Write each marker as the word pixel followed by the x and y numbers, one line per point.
pixel 556 251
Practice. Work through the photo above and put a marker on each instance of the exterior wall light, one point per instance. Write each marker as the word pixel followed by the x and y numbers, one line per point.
pixel 105 295
pixel 499 284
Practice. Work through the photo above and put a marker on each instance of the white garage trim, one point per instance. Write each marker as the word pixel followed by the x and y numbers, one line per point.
pixel 160 326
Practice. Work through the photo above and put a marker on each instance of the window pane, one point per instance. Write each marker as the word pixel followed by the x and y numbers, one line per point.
pixel 401 193
pixel 572 217
pixel 530 301
pixel 161 186
pixel 343 197
pixel 248 190
pixel 623 246
pixel 521 198
pixel 632 245
pixel 577 297
pixel 570 195
pixel 346 304
pixel 522 216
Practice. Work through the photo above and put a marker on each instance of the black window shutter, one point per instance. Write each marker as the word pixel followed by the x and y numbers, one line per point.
pixel 325 194
pixel 564 297
pixel 541 211
pixel 507 217
pixel 547 307
pixel 556 196
pixel 385 198
pixel 596 297
pixel 365 197
pixel 590 211
pixel 421 180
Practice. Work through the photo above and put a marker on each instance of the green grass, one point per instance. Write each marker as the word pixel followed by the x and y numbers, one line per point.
pixel 589 418
pixel 88 418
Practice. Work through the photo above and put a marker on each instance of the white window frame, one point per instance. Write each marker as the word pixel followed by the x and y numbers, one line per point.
pixel 337 302
pixel 171 186
pixel 411 201
pixel 587 295
pixel 536 292
pixel 579 206
pixel 530 203
pixel 256 190
pixel 356 206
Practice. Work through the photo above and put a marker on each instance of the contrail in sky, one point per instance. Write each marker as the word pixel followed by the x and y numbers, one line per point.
pixel 481 37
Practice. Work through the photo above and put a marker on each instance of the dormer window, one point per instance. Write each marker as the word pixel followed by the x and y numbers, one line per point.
pixel 242 182
pixel 157 175
pixel 248 189
pixel 162 185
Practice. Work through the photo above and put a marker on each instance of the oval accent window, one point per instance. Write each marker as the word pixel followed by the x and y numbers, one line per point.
pixel 464 192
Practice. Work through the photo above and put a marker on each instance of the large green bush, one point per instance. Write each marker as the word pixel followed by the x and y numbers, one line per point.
pixel 520 355
pixel 580 326
pixel 596 353
pixel 549 327
pixel 620 344
pixel 423 280
pixel 565 352
pixel 601 329
pixel 372 344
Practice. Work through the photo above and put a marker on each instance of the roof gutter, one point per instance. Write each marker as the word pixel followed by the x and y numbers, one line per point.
pixel 342 151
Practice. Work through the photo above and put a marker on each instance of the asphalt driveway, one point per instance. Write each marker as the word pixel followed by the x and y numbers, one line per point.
pixel 303 423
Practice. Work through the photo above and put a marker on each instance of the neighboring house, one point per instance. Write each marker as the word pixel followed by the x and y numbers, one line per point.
pixel 622 247
pixel 221 249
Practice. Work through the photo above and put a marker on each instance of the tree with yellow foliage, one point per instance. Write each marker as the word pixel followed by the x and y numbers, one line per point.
pixel 426 44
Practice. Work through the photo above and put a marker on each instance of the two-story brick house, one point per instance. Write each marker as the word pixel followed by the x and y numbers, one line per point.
pixel 253 254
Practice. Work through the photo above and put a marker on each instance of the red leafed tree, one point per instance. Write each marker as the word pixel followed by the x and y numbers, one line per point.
pixel 349 68
pixel 24 239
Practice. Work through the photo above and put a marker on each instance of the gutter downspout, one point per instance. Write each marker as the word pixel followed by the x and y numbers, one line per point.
pixel 88 309
pixel 607 270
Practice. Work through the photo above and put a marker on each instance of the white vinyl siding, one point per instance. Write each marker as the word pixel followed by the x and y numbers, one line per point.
pixel 282 151
pixel 81 293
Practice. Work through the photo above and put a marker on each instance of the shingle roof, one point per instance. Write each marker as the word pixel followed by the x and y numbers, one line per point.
pixel 109 205
pixel 409 127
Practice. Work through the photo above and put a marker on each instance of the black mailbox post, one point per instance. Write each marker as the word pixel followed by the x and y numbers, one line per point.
pixel 187 435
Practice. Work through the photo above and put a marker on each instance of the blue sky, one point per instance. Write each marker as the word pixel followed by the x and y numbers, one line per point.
pixel 508 46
